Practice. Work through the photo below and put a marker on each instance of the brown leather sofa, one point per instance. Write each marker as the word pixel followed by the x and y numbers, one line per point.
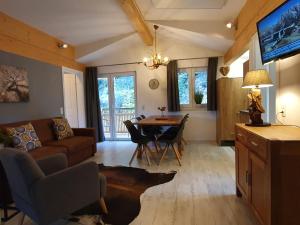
pixel 77 148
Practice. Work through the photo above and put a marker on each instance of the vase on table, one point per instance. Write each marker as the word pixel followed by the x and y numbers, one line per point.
pixel 162 109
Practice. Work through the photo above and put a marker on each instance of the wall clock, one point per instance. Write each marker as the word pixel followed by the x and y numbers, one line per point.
pixel 153 84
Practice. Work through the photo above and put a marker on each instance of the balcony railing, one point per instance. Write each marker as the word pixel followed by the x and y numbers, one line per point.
pixel 120 115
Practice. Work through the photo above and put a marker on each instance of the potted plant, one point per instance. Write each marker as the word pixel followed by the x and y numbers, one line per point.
pixel 198 97
pixel 4 140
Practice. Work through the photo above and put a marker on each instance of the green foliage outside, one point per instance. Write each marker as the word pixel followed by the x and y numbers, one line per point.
pixel 123 92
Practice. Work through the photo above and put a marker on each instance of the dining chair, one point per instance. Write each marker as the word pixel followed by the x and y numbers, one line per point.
pixel 151 132
pixel 174 129
pixel 171 137
pixel 141 141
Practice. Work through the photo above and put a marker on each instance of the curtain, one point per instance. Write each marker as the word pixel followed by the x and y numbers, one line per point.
pixel 172 87
pixel 93 112
pixel 212 84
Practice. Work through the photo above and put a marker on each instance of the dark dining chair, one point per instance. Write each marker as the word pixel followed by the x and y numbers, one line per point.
pixel 170 137
pixel 141 141
pixel 151 132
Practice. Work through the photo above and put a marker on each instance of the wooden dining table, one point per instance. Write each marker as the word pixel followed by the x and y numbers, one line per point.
pixel 166 120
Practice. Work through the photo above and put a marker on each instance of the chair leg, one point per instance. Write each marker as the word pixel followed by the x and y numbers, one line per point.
pixel 103 205
pixel 22 218
pixel 156 146
pixel 135 152
pixel 177 154
pixel 164 153
pixel 146 149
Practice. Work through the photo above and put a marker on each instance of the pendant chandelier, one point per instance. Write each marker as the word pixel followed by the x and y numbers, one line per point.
pixel 155 60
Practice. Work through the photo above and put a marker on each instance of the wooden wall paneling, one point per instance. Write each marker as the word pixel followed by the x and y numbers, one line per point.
pixel 21 39
pixel 251 13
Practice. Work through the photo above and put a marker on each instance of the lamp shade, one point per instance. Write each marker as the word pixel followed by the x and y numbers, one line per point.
pixel 257 79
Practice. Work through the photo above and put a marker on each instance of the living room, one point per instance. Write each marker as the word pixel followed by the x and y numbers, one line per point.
pixel 164 112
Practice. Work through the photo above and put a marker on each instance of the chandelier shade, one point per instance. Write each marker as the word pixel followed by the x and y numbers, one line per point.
pixel 155 60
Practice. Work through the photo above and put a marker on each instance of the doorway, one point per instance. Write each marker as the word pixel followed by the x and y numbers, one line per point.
pixel 117 94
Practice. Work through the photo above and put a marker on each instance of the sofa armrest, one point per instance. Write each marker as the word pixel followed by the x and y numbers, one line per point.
pixel 53 164
pixel 66 191
pixel 91 132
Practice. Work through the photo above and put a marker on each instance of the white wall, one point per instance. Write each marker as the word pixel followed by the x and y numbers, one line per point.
pixel 202 124
pixel 288 95
pixel 285 94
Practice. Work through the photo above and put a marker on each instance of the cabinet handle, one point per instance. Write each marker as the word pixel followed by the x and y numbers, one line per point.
pixel 254 143
pixel 247 177
pixel 239 134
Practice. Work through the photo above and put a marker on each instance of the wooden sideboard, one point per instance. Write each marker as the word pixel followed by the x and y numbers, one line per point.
pixel 268 172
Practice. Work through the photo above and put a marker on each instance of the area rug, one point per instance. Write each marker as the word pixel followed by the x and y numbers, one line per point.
pixel 124 188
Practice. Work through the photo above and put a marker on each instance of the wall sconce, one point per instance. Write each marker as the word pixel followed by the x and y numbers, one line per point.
pixel 62 45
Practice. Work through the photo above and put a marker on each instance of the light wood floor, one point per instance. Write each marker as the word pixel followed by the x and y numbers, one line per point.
pixel 202 192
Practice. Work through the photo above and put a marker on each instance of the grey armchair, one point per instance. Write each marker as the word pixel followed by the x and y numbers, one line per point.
pixel 47 190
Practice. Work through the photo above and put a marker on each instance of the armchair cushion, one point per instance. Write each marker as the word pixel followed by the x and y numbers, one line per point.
pixel 52 164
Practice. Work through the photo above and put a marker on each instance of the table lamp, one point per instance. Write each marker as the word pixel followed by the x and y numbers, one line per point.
pixel 255 80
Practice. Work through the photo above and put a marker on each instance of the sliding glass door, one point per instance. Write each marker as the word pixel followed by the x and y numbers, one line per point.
pixel 117 93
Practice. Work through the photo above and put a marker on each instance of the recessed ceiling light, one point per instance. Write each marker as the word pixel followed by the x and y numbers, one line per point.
pixel 229 25
pixel 63 45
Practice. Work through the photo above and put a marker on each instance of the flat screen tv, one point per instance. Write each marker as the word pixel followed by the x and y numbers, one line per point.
pixel 279 32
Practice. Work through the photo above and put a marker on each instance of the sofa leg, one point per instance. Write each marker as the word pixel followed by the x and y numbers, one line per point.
pixel 103 205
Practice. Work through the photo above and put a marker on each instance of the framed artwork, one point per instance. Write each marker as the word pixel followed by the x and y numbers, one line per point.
pixel 14 85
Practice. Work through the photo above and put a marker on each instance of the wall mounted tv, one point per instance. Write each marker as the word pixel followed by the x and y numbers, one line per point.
pixel 279 32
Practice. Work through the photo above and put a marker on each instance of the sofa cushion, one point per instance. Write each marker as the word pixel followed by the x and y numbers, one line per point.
pixel 46 151
pixel 62 128
pixel 24 137
pixel 74 144
pixel 43 128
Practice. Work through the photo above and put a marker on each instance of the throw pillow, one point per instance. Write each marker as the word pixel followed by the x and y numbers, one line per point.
pixel 62 128
pixel 24 137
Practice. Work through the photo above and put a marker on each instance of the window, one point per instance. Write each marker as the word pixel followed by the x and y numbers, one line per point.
pixel 192 85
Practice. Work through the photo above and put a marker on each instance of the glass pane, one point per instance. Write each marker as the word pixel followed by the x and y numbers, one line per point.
pixel 104 104
pixel 184 87
pixel 201 87
pixel 124 92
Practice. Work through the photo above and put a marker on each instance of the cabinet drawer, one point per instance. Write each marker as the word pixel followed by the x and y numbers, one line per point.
pixel 241 135
pixel 257 145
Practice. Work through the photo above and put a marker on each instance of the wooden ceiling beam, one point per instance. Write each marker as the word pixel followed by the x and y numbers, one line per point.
pixel 135 16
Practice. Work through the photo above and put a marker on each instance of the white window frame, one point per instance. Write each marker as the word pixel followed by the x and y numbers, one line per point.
pixel 191 73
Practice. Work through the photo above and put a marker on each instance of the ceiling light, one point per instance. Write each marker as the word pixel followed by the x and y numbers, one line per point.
pixel 229 25
pixel 156 59
pixel 62 45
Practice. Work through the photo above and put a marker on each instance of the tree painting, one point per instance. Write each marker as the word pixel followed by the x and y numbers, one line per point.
pixel 13 84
